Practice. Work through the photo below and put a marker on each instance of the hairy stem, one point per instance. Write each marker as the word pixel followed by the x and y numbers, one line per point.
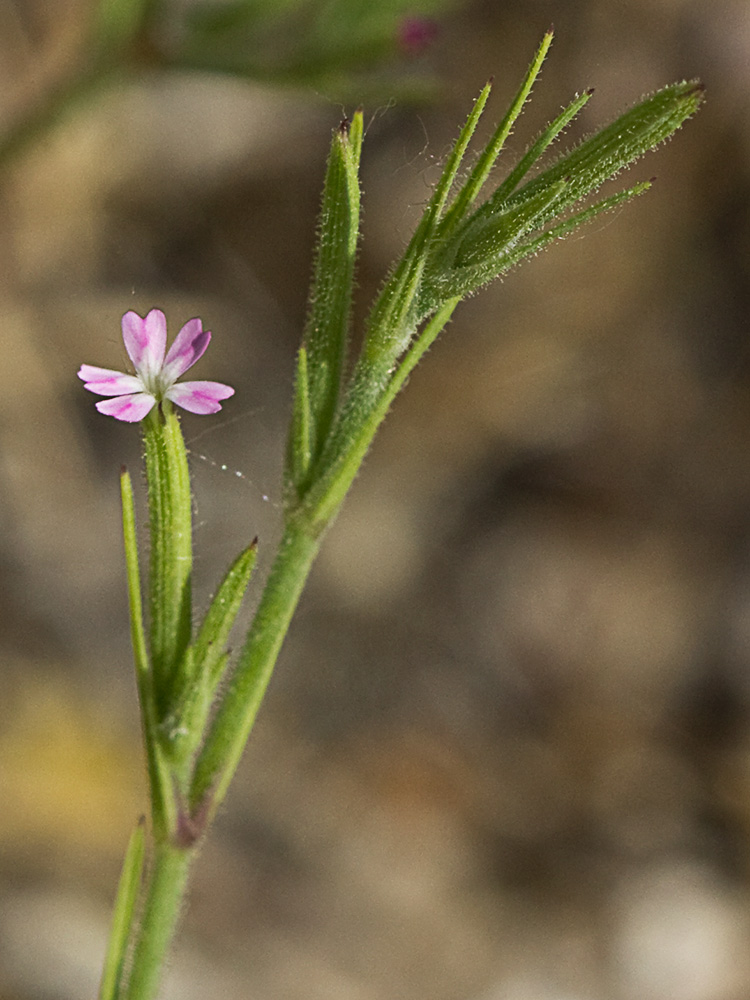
pixel 230 730
pixel 161 907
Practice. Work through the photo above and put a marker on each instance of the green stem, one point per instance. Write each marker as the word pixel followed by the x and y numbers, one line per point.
pixel 231 727
pixel 162 904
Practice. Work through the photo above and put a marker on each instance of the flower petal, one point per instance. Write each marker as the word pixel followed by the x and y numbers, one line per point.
pixel 189 345
pixel 107 382
pixel 128 408
pixel 200 397
pixel 145 341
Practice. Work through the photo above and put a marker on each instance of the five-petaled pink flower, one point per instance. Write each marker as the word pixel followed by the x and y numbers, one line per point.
pixel 156 376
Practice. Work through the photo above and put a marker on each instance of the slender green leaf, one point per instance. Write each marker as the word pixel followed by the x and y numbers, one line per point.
pixel 221 615
pixel 205 662
pixel 135 601
pixel 489 239
pixel 603 155
pixel 483 253
pixel 492 150
pixel 536 150
pixel 390 327
pixel 299 447
pixel 124 913
pixel 531 247
pixel 327 329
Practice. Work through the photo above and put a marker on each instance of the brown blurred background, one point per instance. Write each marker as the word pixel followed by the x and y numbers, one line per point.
pixel 506 752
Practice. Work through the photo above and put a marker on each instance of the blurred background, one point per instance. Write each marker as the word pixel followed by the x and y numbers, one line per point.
pixel 506 752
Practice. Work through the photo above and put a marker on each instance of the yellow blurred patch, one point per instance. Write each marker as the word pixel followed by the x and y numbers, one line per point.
pixel 68 779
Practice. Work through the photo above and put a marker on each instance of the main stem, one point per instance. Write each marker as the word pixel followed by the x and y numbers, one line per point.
pixel 166 881
pixel 229 733
pixel 163 893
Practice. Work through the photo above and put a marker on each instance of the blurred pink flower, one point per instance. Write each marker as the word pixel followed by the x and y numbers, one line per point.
pixel 156 376
pixel 417 33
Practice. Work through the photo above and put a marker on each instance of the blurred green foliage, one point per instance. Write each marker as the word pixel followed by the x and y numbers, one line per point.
pixel 334 44
pixel 349 50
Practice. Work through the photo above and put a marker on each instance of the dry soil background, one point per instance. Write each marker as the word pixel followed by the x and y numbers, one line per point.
pixel 506 753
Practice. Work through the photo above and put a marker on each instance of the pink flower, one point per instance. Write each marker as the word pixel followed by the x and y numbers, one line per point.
pixel 417 33
pixel 155 377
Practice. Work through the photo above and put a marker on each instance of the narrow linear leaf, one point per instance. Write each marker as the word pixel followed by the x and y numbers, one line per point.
pixel 533 246
pixel 299 448
pixel 184 731
pixel 536 150
pixel 132 568
pixel 478 176
pixel 222 613
pixel 603 155
pixel 205 662
pixel 483 253
pixel 389 330
pixel 124 914
pixel 327 329
pixel 490 238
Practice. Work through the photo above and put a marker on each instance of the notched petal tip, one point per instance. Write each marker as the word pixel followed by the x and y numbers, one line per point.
pixel 130 409
pixel 200 397
pixel 91 373
pixel 145 340
pixel 189 346
pixel 105 382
